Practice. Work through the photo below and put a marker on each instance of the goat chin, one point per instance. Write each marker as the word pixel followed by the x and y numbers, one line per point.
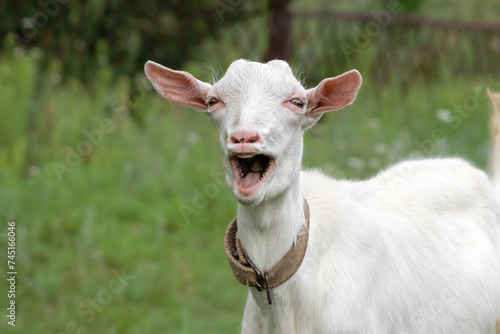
pixel 414 249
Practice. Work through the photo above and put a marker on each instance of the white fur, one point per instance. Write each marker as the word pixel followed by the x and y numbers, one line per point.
pixel 418 257
pixel 413 250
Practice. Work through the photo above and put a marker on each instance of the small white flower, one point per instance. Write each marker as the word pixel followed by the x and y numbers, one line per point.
pixel 33 170
pixel 374 123
pixel 355 162
pixel 192 137
pixel 380 148
pixel 444 115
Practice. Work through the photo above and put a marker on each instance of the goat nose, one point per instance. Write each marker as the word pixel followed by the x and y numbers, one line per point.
pixel 245 137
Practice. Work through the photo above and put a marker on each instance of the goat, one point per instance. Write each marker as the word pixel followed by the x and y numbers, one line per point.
pixel 420 255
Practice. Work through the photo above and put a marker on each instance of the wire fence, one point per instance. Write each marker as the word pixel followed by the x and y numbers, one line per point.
pixel 384 44
pixel 409 47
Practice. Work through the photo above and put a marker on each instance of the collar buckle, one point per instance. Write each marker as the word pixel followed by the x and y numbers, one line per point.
pixel 261 281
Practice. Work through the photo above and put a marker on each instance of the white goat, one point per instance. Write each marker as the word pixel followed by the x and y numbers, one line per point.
pixel 416 255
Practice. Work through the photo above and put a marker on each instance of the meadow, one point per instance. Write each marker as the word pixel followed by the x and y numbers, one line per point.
pixel 119 197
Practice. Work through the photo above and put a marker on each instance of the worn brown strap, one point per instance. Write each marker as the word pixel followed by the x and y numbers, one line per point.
pixel 246 273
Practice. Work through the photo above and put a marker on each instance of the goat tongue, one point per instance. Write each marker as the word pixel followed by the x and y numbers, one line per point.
pixel 250 179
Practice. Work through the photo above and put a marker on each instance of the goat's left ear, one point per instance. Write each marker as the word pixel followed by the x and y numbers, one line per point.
pixel 333 93
pixel 178 86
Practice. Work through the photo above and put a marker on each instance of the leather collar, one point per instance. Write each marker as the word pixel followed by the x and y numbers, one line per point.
pixel 248 274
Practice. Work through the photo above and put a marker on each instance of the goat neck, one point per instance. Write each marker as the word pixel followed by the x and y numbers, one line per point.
pixel 269 229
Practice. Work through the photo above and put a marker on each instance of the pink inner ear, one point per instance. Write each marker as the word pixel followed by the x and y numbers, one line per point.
pixel 178 86
pixel 334 93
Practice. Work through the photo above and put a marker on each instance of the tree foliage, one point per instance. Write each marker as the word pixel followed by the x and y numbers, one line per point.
pixel 83 34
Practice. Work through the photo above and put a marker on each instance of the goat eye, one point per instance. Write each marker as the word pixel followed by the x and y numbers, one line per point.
pixel 298 103
pixel 212 101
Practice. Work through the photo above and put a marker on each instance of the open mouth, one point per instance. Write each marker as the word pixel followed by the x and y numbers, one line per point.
pixel 251 171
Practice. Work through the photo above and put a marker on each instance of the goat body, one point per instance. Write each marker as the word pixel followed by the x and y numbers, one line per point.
pixel 415 249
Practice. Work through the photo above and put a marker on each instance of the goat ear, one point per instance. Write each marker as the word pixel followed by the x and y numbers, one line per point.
pixel 333 93
pixel 178 86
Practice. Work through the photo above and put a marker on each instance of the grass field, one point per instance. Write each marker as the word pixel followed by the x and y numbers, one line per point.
pixel 119 201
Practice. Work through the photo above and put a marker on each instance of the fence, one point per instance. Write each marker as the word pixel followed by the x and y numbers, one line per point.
pixel 382 43
pixel 407 45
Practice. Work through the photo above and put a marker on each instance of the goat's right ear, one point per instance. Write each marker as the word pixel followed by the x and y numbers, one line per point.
pixel 334 93
pixel 178 86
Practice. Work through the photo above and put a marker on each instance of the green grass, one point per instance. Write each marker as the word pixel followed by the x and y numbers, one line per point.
pixel 148 200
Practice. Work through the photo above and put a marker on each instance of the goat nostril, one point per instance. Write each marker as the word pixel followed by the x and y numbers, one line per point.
pixel 254 139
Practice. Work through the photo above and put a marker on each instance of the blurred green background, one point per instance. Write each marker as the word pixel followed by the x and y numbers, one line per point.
pixel 118 196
